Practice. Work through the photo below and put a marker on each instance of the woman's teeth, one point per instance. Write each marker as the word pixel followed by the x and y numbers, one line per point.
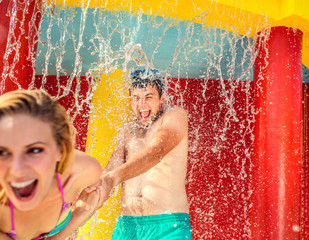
pixel 24 190
pixel 22 184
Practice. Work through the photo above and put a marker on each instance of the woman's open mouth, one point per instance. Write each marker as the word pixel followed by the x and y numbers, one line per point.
pixel 24 190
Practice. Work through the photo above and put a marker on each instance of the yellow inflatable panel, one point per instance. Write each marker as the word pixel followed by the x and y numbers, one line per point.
pixel 110 110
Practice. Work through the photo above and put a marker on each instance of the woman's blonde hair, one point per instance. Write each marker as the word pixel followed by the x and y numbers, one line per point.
pixel 39 104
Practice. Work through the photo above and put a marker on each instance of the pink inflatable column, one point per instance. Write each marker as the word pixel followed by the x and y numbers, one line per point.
pixel 276 173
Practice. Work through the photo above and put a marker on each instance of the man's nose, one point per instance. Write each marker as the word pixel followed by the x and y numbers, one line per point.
pixel 141 102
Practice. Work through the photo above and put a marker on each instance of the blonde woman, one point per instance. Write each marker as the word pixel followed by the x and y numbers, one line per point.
pixel 40 172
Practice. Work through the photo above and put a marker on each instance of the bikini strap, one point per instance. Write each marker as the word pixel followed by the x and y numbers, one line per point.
pixel 12 233
pixel 12 215
pixel 65 204
pixel 60 188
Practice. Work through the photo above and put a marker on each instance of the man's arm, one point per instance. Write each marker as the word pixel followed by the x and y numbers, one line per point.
pixel 167 137
pixel 105 185
pixel 118 156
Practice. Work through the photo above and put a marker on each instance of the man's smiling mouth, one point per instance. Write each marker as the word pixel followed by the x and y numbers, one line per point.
pixel 144 114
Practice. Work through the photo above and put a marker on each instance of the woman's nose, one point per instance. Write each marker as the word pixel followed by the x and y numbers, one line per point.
pixel 19 164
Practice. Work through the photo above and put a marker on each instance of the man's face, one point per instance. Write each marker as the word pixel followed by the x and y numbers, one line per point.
pixel 146 103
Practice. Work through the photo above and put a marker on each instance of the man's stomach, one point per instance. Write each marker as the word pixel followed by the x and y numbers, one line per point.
pixel 153 202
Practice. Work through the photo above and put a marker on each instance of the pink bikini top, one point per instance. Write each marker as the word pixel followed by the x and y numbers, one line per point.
pixel 64 219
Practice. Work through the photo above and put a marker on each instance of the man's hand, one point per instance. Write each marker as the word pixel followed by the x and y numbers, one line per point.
pixel 104 187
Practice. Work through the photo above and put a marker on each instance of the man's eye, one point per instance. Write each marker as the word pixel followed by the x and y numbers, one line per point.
pixel 35 150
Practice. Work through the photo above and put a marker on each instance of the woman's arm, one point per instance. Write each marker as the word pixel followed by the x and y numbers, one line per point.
pixel 86 206
pixel 3 236
pixel 86 170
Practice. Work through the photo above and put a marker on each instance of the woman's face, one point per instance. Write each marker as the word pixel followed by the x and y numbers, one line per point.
pixel 28 159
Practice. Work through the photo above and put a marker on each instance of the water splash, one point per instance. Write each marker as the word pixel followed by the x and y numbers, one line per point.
pixel 207 69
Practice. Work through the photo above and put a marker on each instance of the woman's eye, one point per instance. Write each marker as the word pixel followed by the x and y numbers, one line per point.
pixel 3 153
pixel 35 150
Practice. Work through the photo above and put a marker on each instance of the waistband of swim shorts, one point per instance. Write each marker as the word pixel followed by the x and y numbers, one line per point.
pixel 150 219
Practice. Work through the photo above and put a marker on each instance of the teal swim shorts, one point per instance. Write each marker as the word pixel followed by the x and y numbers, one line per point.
pixel 173 226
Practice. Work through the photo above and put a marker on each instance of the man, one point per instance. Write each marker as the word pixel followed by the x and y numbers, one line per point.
pixel 150 160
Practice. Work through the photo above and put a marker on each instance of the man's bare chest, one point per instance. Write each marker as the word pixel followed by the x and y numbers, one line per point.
pixel 137 140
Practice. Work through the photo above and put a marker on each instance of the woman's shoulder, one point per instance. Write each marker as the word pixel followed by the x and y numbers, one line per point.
pixel 5 218
pixel 85 162
pixel 86 167
pixel 84 171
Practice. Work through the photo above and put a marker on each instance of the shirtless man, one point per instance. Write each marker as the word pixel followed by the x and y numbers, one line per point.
pixel 150 160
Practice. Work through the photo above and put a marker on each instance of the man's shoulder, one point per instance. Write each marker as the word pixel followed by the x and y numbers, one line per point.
pixel 176 111
pixel 127 125
pixel 179 109
pixel 127 128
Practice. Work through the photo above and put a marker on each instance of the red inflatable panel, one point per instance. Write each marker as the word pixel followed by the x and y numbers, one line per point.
pixel 19 22
pixel 219 161
pixel 77 107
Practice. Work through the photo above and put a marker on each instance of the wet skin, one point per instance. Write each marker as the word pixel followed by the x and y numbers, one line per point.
pixel 146 104
pixel 28 158
pixel 150 158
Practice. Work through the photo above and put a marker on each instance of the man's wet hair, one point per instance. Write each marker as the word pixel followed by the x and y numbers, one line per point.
pixel 143 78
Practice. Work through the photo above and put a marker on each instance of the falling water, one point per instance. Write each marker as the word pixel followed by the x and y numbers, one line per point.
pixel 81 41
pixel 207 69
